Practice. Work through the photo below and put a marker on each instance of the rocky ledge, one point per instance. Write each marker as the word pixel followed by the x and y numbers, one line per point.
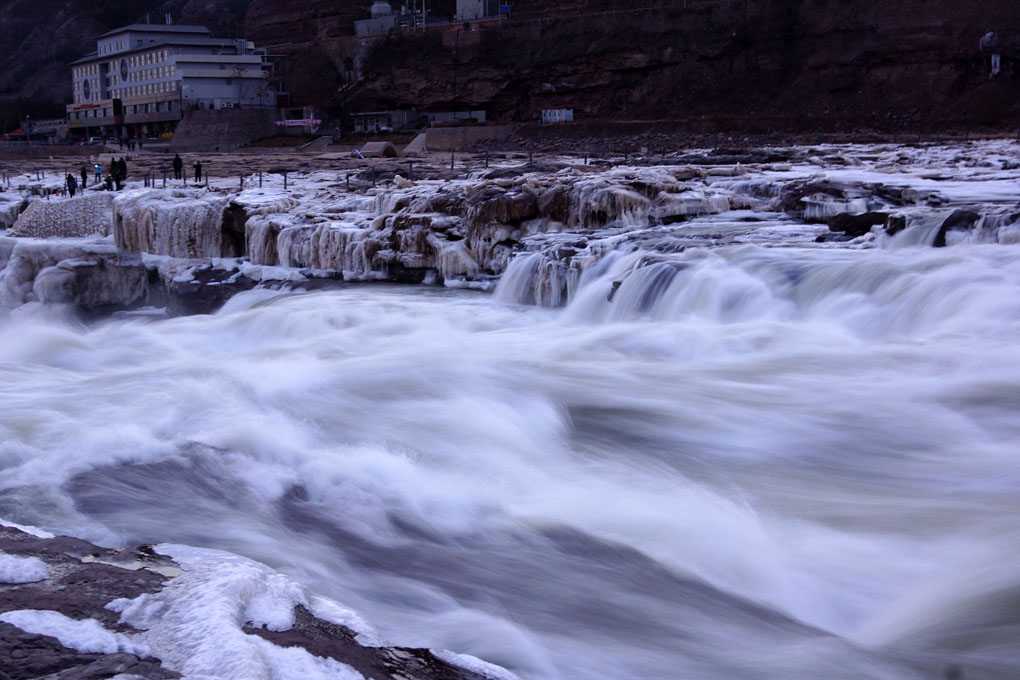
pixel 73 610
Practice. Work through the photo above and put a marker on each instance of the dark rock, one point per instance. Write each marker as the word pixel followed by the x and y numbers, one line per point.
pixel 961 220
pixel 791 196
pixel 233 241
pixel 447 203
pixel 27 656
pixel 329 640
pixel 895 224
pixel 493 204
pixel 83 579
pixel 76 588
pixel 555 204
pixel 206 292
pixel 857 225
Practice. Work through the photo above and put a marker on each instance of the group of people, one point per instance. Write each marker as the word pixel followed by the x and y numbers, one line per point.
pixel 114 179
pixel 132 144
pixel 118 175
pixel 179 168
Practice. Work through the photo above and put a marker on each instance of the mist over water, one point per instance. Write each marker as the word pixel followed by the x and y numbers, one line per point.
pixel 744 462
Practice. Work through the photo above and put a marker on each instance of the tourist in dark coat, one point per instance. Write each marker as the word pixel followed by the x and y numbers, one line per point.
pixel 178 166
pixel 198 171
pixel 72 184
pixel 118 171
pixel 84 177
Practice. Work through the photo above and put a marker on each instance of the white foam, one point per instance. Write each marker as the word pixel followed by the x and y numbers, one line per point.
pixel 34 531
pixel 195 624
pixel 475 665
pixel 87 636
pixel 14 569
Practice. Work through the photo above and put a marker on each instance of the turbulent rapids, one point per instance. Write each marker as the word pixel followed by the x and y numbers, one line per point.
pixel 691 434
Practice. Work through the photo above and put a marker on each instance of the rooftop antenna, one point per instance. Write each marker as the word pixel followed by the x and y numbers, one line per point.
pixel 169 19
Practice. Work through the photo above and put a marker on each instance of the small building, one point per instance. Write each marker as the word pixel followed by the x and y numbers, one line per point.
pixel 384 121
pixel 142 77
pixel 473 10
pixel 557 115
pixel 447 117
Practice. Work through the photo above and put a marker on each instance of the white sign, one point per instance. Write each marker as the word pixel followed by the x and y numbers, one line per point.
pixel 299 122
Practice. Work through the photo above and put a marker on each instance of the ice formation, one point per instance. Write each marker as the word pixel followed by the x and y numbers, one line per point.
pixel 183 223
pixel 551 222
pixel 84 215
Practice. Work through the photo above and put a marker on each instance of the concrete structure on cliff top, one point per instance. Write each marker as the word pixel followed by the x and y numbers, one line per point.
pixel 143 77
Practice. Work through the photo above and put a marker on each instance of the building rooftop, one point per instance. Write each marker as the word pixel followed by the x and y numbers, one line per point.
pixel 183 40
pixel 157 28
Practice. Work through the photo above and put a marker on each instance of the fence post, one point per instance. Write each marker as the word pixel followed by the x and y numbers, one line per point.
pixel 242 182
pixel 410 171
pixel 164 179
pixel 586 158
pixel 284 181
pixel 451 160
pixel 260 179
pixel 530 158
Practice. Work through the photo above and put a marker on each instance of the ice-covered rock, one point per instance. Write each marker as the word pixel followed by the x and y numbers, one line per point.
pixel 87 214
pixel 184 223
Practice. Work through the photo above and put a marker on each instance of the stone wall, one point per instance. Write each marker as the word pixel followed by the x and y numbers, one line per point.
pixel 85 215
pixel 222 130
pixel 459 138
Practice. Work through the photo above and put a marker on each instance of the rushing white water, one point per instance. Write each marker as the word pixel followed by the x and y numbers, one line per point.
pixel 744 462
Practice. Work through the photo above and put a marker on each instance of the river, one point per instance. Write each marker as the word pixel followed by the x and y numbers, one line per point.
pixel 745 462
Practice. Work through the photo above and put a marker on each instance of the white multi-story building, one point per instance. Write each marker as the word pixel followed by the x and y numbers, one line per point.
pixel 143 77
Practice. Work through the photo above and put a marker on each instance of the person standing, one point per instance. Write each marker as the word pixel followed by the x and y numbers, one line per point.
pixel 72 184
pixel 178 166
pixel 116 174
pixel 198 171
pixel 99 173
pixel 84 177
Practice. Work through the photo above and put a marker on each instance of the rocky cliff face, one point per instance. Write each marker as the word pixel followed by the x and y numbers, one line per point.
pixel 828 63
pixel 914 63
pixel 276 22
